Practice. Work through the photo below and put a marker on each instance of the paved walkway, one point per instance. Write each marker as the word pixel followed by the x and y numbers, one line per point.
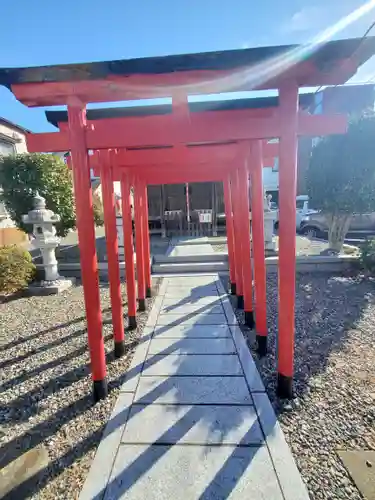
pixel 189 246
pixel 192 420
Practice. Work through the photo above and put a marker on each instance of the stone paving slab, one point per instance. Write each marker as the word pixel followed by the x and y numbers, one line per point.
pixel 173 292
pixel 192 365
pixel 204 248
pixel 186 331
pixel 193 472
pixel 191 308
pixel 191 301
pixel 202 280
pixel 360 466
pixel 188 290
pixel 186 424
pixel 187 280
pixel 191 346
pixel 193 390
pixel 189 285
pixel 192 319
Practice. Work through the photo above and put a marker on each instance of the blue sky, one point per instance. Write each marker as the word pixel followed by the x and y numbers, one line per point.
pixel 51 32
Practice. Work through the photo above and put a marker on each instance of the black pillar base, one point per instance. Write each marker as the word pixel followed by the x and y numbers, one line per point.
pixel 233 288
pixel 99 390
pixel 141 305
pixel 239 301
pixel 284 386
pixel 119 349
pixel 132 322
pixel 261 345
pixel 148 293
pixel 249 319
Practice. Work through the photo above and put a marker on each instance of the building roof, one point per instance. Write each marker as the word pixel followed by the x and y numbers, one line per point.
pixel 324 57
pixel 10 124
pixel 55 117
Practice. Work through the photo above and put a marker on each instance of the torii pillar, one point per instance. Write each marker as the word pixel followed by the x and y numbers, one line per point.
pixel 109 207
pixel 86 238
pixel 288 103
pixel 257 226
pixel 139 244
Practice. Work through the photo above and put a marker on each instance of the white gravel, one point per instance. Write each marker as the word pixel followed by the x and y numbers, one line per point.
pixel 45 393
pixel 334 377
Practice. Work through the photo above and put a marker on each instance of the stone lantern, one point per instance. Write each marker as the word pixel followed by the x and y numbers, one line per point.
pixel 270 217
pixel 46 241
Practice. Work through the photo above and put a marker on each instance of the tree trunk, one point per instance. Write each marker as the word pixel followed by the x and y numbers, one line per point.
pixel 338 227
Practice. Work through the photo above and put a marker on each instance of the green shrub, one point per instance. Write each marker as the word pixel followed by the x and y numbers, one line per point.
pixel 367 257
pixel 16 269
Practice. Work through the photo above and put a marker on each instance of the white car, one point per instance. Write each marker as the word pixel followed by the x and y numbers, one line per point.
pixel 302 211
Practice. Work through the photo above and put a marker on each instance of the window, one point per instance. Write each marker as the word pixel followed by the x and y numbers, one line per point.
pixel 275 167
pixel 300 204
pixel 6 148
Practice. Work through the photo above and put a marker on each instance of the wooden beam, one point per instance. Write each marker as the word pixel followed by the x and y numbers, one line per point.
pixel 48 142
pixel 170 176
pixel 208 127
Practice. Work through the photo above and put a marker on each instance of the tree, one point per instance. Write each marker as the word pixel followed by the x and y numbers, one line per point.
pixel 341 176
pixel 21 176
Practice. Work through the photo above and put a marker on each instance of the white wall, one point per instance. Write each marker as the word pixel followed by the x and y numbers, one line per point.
pixel 270 179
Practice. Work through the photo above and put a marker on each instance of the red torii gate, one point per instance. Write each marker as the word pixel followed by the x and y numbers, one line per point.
pixel 179 76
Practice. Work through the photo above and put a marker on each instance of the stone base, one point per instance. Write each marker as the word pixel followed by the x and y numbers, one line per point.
pixel 50 287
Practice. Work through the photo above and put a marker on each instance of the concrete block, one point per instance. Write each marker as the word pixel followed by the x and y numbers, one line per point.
pixel 100 471
pixel 186 424
pixel 193 390
pixel 18 472
pixel 136 366
pixel 250 370
pixel 192 346
pixel 154 313
pixel 50 288
pixel 289 477
pixel 229 312
pixel 193 472
pixel 190 331
pixel 191 365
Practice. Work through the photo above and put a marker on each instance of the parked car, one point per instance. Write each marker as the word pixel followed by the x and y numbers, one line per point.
pixel 315 224
pixel 302 210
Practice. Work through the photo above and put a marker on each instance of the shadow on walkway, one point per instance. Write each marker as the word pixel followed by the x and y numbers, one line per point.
pixel 142 465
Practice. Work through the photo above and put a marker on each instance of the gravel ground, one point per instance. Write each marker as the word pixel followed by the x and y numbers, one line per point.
pixel 334 377
pixel 45 395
